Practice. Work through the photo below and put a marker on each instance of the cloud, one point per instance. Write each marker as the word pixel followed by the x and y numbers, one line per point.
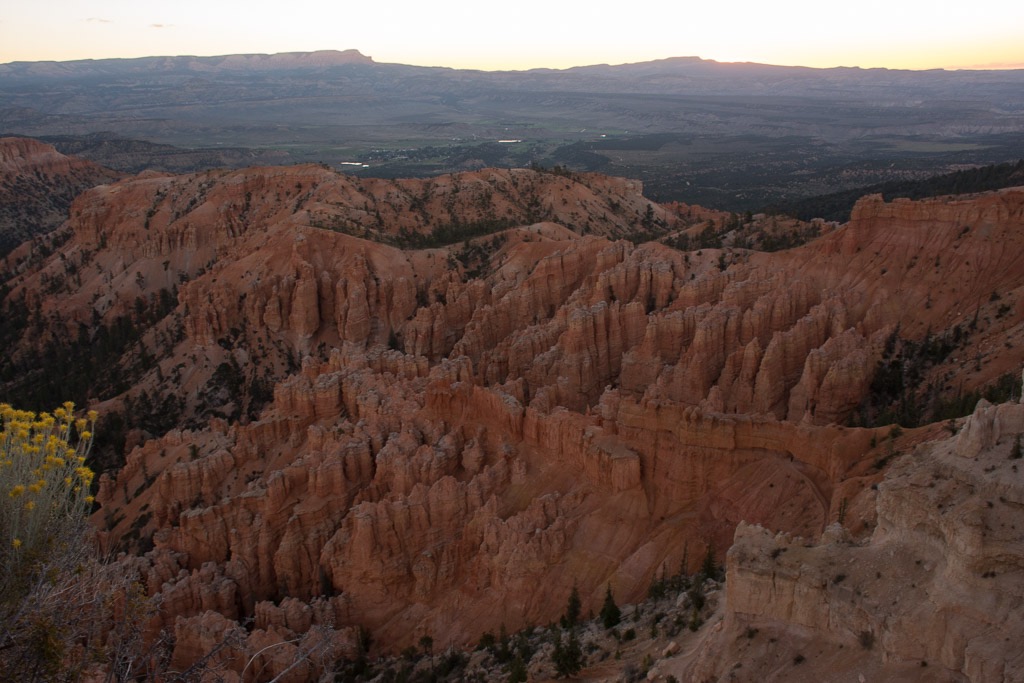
pixel 161 25
pixel 97 20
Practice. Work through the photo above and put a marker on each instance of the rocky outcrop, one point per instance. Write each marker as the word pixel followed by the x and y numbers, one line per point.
pixel 37 186
pixel 275 264
pixel 932 593
pixel 415 501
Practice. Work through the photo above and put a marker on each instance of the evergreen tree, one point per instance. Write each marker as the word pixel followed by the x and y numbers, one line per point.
pixel 517 670
pixel 709 568
pixel 568 656
pixel 681 581
pixel 503 653
pixel 573 609
pixel 610 614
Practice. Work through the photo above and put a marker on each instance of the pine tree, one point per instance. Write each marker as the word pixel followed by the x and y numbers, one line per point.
pixel 503 653
pixel 572 609
pixel 517 670
pixel 681 581
pixel 610 613
pixel 567 657
pixel 709 568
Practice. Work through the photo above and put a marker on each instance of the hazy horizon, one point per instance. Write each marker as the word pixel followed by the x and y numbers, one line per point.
pixel 913 35
pixel 973 67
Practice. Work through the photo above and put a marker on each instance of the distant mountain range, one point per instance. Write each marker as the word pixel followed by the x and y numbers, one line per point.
pixel 730 135
pixel 674 75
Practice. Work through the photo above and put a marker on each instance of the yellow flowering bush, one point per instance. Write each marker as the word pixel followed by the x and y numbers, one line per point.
pixel 44 482
pixel 65 614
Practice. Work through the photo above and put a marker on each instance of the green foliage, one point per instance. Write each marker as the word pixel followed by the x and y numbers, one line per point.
pixel 567 656
pixel 837 206
pixel 898 392
pixel 676 584
pixel 610 613
pixel 709 568
pixel 556 170
pixel 475 256
pixel 506 649
pixel 572 609
pixel 695 619
pixel 449 666
pixel 454 232
pixel 786 239
pixel 102 358
pixel 657 589
pixel 696 595
pixel 487 641
pixel 503 652
pixel 517 670
pixel 89 361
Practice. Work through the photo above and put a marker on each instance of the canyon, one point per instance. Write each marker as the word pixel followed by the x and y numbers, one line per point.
pixel 433 407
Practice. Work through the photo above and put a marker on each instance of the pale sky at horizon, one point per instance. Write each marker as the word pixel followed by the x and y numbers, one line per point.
pixel 530 33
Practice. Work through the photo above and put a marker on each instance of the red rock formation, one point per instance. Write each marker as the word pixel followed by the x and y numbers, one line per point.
pixel 577 412
pixel 37 185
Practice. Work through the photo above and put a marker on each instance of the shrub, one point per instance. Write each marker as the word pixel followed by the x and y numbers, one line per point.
pixel 695 620
pixel 55 596
pixel 487 641
pixel 44 487
pixel 517 672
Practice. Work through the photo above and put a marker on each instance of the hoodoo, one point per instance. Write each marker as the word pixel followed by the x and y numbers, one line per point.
pixel 420 408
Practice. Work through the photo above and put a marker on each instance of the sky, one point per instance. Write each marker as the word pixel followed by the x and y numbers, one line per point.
pixel 524 34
